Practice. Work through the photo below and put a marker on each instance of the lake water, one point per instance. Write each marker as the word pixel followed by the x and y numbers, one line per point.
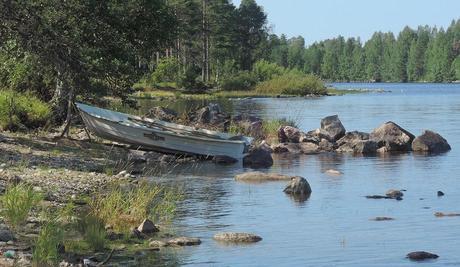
pixel 333 227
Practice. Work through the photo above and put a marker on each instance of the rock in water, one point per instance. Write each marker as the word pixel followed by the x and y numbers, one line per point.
pixel 184 241
pixel 333 127
pixel 147 227
pixel 392 193
pixel 258 157
pixel 289 134
pixel 298 186
pixel 237 237
pixel 421 255
pixel 440 193
pixel 353 137
pixel 261 177
pixel 332 172
pixel 392 137
pixel 430 142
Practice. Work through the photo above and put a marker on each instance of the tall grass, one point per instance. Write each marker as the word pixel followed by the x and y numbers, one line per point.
pixel 94 233
pixel 292 83
pixel 46 248
pixel 19 110
pixel 17 202
pixel 125 208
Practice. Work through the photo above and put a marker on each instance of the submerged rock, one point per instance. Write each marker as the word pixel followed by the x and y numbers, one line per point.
pixel 378 219
pixel 224 160
pixel 237 237
pixel 333 172
pixel 258 157
pixel 333 127
pixel 441 214
pixel 184 241
pixel 261 177
pixel 421 255
pixel 391 137
pixel 430 141
pixel 298 186
pixel 147 227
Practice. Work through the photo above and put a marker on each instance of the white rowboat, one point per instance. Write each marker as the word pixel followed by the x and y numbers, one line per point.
pixel 160 135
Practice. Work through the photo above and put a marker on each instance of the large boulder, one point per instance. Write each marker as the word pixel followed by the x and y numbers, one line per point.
pixel 212 113
pixel 147 227
pixel 289 134
pixel 430 142
pixel 333 127
pixel 258 157
pixel 257 177
pixel 162 113
pixel 391 137
pixel 298 186
pixel 352 137
pixel 359 147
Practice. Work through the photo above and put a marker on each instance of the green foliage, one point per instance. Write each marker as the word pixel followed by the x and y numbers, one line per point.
pixel 264 70
pixel 293 83
pixel 242 81
pixel 20 110
pixel 124 207
pixel 167 70
pixel 17 202
pixel 46 248
pixel 270 128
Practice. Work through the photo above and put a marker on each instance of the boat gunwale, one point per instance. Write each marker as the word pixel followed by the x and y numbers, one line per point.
pixel 163 132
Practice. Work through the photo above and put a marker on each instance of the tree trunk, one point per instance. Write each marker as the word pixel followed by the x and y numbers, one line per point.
pixel 68 120
pixel 59 100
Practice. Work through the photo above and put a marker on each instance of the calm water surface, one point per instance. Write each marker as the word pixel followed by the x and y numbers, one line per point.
pixel 333 227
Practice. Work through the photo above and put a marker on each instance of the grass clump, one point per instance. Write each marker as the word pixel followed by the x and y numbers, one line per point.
pixel 17 202
pixel 124 207
pixel 49 240
pixel 292 83
pixel 21 110
pixel 94 233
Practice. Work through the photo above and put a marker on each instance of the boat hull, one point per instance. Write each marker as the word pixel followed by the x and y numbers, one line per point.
pixel 158 140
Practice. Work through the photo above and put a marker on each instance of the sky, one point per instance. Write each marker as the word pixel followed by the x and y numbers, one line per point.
pixel 318 20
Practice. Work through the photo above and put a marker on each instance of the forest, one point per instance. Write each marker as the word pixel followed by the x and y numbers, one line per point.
pixel 61 50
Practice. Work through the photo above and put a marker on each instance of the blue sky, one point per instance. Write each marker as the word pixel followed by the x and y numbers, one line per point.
pixel 321 19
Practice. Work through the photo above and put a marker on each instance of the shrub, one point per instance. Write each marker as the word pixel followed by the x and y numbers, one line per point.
pixel 46 249
pixel 167 70
pixel 241 81
pixel 264 70
pixel 17 202
pixel 293 83
pixel 124 208
pixel 19 110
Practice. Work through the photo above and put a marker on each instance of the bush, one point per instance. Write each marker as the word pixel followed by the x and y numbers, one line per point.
pixel 20 110
pixel 167 70
pixel 125 208
pixel 264 70
pixel 241 81
pixel 293 83
pixel 17 202
pixel 46 249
